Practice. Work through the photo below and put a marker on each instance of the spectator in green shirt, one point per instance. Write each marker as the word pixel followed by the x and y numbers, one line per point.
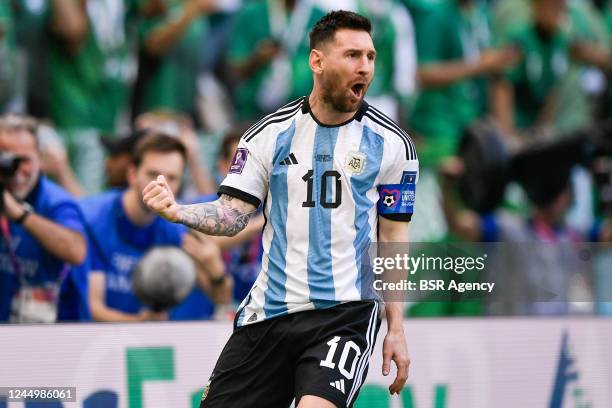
pixel 528 98
pixel 32 39
pixel 7 57
pixel 393 86
pixel 88 64
pixel 268 43
pixel 89 70
pixel 170 32
pixel 454 56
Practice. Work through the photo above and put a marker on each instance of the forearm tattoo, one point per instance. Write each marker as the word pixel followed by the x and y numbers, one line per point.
pixel 215 218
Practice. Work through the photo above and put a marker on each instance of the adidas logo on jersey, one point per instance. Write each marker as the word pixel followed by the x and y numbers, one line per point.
pixel 289 160
pixel 339 385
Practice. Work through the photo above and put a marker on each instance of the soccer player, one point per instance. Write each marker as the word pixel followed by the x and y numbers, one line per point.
pixel 334 175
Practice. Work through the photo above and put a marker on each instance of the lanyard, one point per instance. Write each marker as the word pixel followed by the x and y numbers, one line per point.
pixel 6 233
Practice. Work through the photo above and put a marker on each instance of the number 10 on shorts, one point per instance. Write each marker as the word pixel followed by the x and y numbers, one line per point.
pixel 348 347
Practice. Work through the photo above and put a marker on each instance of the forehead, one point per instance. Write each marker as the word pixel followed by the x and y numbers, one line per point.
pixel 163 161
pixel 20 140
pixel 345 39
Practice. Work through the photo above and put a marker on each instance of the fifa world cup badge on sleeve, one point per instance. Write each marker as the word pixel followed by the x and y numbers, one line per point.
pixel 408 177
pixel 240 158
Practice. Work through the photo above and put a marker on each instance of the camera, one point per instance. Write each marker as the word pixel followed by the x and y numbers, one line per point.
pixel 9 163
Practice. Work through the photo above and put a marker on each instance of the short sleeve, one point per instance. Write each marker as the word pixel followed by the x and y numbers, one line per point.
pixel 247 178
pixel 397 188
pixel 68 215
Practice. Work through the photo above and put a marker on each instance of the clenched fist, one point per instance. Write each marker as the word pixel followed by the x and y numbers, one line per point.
pixel 159 198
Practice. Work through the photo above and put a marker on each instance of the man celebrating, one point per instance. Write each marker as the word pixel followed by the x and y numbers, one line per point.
pixel 122 230
pixel 322 166
pixel 44 233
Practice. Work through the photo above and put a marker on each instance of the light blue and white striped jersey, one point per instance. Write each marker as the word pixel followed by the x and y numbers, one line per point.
pixel 323 189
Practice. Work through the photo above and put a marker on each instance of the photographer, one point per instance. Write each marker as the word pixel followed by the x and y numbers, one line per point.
pixel 44 232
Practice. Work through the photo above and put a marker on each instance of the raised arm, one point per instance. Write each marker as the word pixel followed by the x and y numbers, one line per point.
pixel 226 217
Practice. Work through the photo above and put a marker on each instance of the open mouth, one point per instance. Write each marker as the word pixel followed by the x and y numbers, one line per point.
pixel 357 89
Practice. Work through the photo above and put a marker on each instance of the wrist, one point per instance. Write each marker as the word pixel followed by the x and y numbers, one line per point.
pixel 27 210
pixel 395 327
pixel 218 281
pixel 179 215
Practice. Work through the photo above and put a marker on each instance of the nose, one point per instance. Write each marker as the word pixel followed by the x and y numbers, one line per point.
pixel 365 67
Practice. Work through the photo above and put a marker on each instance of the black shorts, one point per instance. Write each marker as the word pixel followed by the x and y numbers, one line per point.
pixel 322 352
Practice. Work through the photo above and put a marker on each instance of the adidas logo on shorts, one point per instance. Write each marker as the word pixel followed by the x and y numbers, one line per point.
pixel 339 385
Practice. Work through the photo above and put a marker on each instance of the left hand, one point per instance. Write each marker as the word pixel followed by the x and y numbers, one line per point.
pixel 394 348
pixel 12 208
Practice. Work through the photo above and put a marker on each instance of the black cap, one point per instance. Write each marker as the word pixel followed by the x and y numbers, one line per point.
pixel 123 144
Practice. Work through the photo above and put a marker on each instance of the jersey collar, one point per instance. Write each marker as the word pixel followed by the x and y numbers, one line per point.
pixel 358 115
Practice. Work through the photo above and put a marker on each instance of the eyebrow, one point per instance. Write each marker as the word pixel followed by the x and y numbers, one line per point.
pixel 360 51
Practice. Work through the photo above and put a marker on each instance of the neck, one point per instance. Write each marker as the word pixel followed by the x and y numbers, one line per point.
pixel 324 112
pixel 134 210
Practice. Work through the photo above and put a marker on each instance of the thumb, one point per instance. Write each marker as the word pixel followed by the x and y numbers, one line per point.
pixel 386 364
pixel 162 181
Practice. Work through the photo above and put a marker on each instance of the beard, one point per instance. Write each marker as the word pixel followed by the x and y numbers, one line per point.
pixel 336 93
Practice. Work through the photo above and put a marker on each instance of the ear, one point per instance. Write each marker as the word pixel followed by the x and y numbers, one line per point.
pixel 316 61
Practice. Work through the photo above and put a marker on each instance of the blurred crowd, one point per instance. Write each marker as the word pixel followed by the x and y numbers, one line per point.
pixel 508 101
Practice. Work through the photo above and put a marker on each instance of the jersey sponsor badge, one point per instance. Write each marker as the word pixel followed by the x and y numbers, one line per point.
pixel 240 158
pixel 354 163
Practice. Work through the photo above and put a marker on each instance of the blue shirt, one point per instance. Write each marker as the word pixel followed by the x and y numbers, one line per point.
pixel 37 267
pixel 117 245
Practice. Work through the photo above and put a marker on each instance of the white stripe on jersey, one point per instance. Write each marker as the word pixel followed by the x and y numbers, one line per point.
pixel 343 227
pixel 297 219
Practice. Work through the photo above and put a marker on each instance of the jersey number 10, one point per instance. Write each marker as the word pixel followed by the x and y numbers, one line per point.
pixel 329 174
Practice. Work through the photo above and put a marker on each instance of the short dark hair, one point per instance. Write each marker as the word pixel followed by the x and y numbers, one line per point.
pixel 326 27
pixel 155 141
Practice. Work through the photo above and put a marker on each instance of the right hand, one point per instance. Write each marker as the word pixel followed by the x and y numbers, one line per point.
pixel 493 61
pixel 159 198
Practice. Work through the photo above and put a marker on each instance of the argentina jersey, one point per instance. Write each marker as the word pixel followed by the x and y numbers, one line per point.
pixel 322 188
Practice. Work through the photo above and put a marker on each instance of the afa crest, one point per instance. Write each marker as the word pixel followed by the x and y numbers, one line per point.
pixel 355 163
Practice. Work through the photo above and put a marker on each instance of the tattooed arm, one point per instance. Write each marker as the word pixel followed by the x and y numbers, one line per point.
pixel 227 216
